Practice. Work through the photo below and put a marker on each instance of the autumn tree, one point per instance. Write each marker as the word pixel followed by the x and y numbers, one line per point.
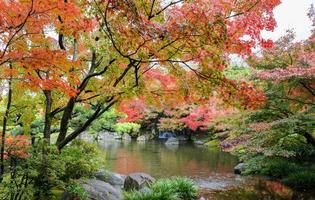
pixel 278 138
pixel 187 118
pixel 288 72
pixel 106 51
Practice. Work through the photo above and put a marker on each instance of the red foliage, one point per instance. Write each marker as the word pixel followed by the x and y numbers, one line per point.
pixel 25 42
pixel 202 116
pixel 302 57
pixel 134 109
pixel 16 146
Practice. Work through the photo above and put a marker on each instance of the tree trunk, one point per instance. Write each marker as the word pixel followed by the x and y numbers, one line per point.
pixel 66 116
pixel 97 113
pixel 65 120
pixel 4 126
pixel 79 130
pixel 310 139
pixel 48 117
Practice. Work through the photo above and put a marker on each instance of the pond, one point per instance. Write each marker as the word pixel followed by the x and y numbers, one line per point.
pixel 211 169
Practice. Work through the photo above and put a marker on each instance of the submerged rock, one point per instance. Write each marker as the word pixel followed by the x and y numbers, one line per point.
pixel 172 141
pixel 138 181
pixel 100 190
pixel 238 168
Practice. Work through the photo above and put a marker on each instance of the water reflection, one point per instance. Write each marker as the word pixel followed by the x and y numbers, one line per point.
pixel 159 161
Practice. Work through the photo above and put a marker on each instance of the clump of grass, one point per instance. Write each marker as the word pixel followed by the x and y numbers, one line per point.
pixel 167 189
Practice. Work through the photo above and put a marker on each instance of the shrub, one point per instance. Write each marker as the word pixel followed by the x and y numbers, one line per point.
pixel 128 127
pixel 279 168
pixel 81 159
pixel 106 122
pixel 76 190
pixel 303 179
pixel 274 167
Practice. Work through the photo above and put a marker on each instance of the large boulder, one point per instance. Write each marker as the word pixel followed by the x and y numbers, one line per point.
pixel 138 181
pixel 117 136
pixel 238 168
pixel 115 179
pixel 100 190
pixel 106 135
pixel 126 137
pixel 172 141
pixel 222 135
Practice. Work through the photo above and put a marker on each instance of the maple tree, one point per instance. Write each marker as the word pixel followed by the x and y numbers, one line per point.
pixel 170 52
pixel 162 62
pixel 287 73
pixel 192 117
pixel 278 138
pixel 105 51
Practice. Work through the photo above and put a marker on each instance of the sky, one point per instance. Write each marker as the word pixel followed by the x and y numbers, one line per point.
pixel 292 14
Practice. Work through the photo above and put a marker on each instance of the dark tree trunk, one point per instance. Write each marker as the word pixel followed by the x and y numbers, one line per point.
pixel 97 113
pixel 65 120
pixel 4 126
pixel 310 139
pixel 48 117
pixel 66 116
pixel 79 130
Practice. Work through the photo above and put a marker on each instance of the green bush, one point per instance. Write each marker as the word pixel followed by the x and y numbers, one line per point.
pixel 81 159
pixel 274 167
pixel 44 171
pixel 76 190
pixel 279 168
pixel 303 179
pixel 106 122
pixel 167 189
pixel 127 127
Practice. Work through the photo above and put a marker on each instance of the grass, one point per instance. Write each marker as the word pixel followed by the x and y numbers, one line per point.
pixel 167 189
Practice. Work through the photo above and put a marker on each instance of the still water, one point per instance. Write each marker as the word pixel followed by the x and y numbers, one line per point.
pixel 211 169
